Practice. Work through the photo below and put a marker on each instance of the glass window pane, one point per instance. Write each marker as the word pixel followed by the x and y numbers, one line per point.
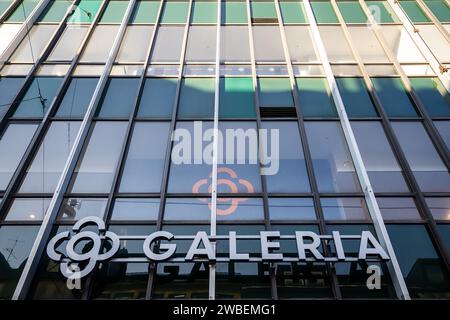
pixel 197 98
pixel 100 44
pixel 234 12
pixel 440 9
pixel 204 12
pixel 267 43
pixel 336 44
pixel 168 44
pixel 4 4
pixel 73 209
pixel 15 247
pixel 414 12
pixel 263 11
pixel 315 98
pixel 27 210
pixel 385 13
pixel 332 163
pixel 145 159
pixel 291 209
pixel 444 231
pixel 234 46
pixel 44 172
pixel 119 98
pixel 382 167
pixel 433 95
pixel 292 12
pixel 439 207
pixel 393 97
pixel 9 87
pixel 291 176
pixel 135 44
pixel 436 41
pixel 239 209
pixel 31 104
pixel 429 170
pixel 175 12
pixel 398 208
pixel 323 12
pixel 180 209
pixel 13 144
pixel 236 98
pixel 443 128
pixel 95 170
pixel 352 12
pixel 145 12
pixel 275 92
pixel 114 12
pixel 7 34
pixel 77 98
pixel 201 44
pixel 356 99
pixel 33 45
pixel 85 12
pixel 424 273
pixel 367 44
pixel 344 209
pixel 54 11
pixel 135 209
pixel 401 44
pixel 158 98
pixel 300 44
pixel 68 44
pixel 22 12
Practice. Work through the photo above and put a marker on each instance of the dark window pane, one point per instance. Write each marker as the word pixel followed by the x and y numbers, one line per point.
pixel 275 92
pixel 73 209
pixel 382 167
pixel 145 159
pixel 413 11
pixel 433 95
pixel 77 98
pixel 424 273
pixel 239 209
pixel 197 98
pixel 440 9
pixel 344 209
pixel 332 163
pixel 44 172
pixel 355 97
pixel 398 208
pixel 158 98
pixel 315 98
pixel 393 97
pixel 291 209
pixel 38 97
pixel 119 98
pixel 236 98
pixel 135 209
pixel 9 87
pixel 427 166
pixel 444 230
pixel 291 175
pixel 443 128
pixel 95 170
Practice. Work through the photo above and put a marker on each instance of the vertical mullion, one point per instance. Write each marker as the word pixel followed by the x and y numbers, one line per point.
pixel 361 172
pixel 433 18
pixel 307 154
pixel 267 224
pixel 166 172
pixel 63 183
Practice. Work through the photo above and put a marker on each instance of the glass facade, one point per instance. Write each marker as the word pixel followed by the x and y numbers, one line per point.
pixel 341 108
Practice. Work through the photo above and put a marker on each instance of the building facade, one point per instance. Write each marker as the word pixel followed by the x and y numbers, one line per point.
pixel 97 95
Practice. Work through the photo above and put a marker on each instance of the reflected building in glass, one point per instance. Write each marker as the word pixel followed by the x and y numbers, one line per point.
pixel 92 91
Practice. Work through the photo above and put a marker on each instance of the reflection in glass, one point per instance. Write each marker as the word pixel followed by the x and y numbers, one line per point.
pixel 398 208
pixel 344 209
pixel 291 209
pixel 141 209
pixel 27 209
pixel 73 209
pixel 77 97
pixel 439 207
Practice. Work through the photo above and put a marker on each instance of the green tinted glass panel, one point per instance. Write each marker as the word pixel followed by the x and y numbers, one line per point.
pixel 85 11
pixel 433 96
pixel 175 12
pixel 77 97
pixel 54 12
pixel 145 12
pixel 352 12
pixel 236 98
pixel 275 92
pixel 158 98
pixel 32 105
pixel 197 98
pixel 263 10
pixel 356 98
pixel 119 98
pixel 414 12
pixel 204 12
pixel 293 12
pixel 440 9
pixel 114 12
pixel 4 4
pixel 323 12
pixel 22 12
pixel 315 98
pixel 386 14
pixel 234 12
pixel 393 97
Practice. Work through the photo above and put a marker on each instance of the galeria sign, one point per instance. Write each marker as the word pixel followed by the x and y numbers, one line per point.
pixel 161 246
